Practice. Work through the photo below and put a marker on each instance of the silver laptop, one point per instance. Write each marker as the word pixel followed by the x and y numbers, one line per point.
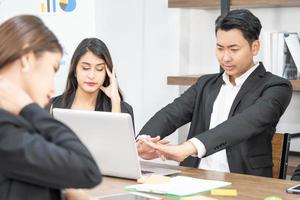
pixel 110 138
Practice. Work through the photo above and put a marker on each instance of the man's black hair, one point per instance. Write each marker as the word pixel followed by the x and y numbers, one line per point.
pixel 241 19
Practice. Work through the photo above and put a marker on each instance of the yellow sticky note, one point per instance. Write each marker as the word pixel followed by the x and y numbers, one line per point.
pixel 224 192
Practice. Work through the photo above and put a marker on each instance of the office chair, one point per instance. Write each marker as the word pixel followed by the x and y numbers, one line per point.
pixel 280 151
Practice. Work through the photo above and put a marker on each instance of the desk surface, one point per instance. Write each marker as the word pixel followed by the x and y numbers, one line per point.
pixel 248 187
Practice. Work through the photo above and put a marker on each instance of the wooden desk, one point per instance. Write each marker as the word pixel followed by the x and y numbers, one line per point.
pixel 248 187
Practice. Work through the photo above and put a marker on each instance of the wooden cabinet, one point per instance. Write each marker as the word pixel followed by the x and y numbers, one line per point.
pixel 208 4
pixel 191 79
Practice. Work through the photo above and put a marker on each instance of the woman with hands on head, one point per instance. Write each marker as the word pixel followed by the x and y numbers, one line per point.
pixel 92 82
pixel 39 155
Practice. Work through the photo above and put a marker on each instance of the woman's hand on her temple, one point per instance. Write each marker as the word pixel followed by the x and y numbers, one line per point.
pixel 112 91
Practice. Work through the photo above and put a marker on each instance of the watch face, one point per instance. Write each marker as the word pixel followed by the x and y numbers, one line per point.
pixel 128 196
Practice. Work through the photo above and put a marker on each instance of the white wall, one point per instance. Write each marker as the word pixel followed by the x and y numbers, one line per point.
pixel 69 27
pixel 120 25
pixel 143 39
pixel 142 36
pixel 198 56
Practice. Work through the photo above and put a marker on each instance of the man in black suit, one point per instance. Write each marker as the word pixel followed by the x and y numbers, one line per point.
pixel 233 114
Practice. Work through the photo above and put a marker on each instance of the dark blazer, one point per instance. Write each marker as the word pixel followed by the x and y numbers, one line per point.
pixel 246 134
pixel 39 156
pixel 296 175
pixel 57 102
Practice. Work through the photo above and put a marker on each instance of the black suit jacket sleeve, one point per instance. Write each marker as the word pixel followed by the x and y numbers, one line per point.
pixel 174 115
pixel 255 119
pixel 50 155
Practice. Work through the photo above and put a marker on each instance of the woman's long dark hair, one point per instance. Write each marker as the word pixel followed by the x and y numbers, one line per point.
pixel 98 48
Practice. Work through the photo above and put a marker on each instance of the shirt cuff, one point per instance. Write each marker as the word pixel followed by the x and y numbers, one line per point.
pixel 201 151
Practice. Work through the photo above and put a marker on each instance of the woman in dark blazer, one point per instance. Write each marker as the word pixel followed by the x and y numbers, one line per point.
pixel 92 82
pixel 39 155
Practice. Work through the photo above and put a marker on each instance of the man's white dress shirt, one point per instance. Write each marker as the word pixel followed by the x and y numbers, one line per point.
pixel 221 108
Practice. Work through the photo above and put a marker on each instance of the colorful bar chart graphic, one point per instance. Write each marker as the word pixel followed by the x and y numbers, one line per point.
pixel 65 5
pixel 46 7
pixel 54 5
pixel 42 7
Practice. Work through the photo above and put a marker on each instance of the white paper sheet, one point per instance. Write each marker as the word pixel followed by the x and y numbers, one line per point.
pixel 180 186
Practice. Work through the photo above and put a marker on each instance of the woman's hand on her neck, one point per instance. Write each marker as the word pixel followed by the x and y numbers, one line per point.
pixel 12 98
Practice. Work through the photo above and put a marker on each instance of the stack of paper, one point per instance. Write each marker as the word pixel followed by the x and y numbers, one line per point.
pixel 281 53
pixel 179 186
pixel 293 43
pixel 274 50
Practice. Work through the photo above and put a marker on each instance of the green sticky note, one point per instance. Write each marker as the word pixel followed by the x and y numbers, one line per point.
pixel 272 198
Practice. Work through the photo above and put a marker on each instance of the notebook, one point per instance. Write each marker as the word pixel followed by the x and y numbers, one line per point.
pixel 179 186
pixel 111 140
